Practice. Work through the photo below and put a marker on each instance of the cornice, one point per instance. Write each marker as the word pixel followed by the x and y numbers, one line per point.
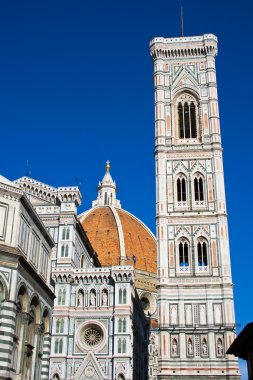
pixel 183 47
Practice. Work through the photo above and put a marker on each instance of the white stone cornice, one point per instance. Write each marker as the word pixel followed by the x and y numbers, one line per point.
pixel 183 47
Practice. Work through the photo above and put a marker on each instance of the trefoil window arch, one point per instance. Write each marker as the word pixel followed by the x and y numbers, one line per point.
pixel 183 252
pixel 202 253
pixel 198 188
pixel 181 188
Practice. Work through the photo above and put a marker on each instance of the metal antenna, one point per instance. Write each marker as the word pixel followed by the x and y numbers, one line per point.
pixel 182 20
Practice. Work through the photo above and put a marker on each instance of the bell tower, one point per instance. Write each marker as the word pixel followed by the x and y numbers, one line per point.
pixel 195 291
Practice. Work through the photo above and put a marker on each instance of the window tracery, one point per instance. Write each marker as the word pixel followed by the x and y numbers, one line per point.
pixel 61 297
pixel 187 117
pixel 64 250
pixel 122 325
pixel 122 296
pixel 202 254
pixel 92 336
pixel 65 233
pixel 183 255
pixel 59 326
pixel 181 190
pixel 58 346
pixel 122 346
pixel 198 189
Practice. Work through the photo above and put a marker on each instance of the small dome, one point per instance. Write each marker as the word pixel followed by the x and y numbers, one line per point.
pixel 120 238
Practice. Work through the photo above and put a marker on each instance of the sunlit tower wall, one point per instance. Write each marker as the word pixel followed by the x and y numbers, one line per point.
pixel 195 290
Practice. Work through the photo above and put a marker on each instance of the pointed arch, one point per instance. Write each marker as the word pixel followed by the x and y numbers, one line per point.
pixel 181 188
pixel 183 250
pixel 120 325
pixel 202 252
pixel 198 182
pixel 187 122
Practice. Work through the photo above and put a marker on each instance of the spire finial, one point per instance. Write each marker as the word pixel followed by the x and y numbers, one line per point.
pixel 107 190
pixel 108 166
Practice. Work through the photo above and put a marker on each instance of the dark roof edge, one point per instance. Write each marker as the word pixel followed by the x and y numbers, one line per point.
pixel 242 343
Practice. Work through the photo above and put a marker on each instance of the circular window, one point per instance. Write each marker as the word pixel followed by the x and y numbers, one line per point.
pixel 148 302
pixel 145 303
pixel 91 336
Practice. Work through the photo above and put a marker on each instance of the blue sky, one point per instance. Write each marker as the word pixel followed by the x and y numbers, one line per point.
pixel 76 90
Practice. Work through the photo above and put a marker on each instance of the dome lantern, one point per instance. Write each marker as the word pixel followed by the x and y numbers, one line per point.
pixel 107 190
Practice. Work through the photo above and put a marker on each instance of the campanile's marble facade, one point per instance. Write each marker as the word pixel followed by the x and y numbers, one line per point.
pixel 195 291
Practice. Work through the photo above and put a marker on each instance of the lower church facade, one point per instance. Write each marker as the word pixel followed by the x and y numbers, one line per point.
pixel 100 332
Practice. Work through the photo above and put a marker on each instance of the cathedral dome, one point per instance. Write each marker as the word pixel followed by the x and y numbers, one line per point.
pixel 117 236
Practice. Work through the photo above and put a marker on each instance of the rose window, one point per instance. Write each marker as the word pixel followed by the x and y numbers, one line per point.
pixel 92 337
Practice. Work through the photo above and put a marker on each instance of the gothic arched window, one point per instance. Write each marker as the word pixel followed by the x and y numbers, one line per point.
pixel 121 346
pixel 61 297
pixel 198 188
pixel 59 326
pixel 181 189
pixel 64 250
pixel 183 254
pixel 124 346
pixel 120 325
pixel 202 253
pixel 65 233
pixel 187 119
pixel 124 325
pixel 58 346
pixel 122 296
